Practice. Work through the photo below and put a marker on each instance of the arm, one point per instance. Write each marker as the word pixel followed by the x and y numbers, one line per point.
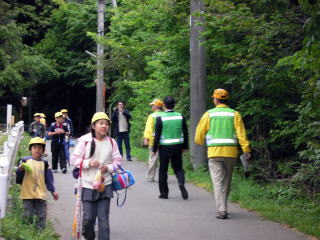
pixel 202 129
pixel 51 131
pixel 31 128
pixel 43 130
pixel 127 114
pixel 78 155
pixel 148 131
pixel 116 157
pixel 49 178
pixel 114 116
pixel 20 172
pixel 241 133
pixel 157 136
pixel 185 144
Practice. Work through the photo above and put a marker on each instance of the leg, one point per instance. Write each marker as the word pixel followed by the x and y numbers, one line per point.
pixel 176 164
pixel 41 213
pixel 89 219
pixel 152 165
pixel 127 143
pixel 163 175
pixel 55 156
pixel 229 166
pixel 103 219
pixel 119 139
pixel 218 173
pixel 66 145
pixel 62 155
pixel 28 209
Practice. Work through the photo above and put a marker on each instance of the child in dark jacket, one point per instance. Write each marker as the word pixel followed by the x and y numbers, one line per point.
pixel 35 177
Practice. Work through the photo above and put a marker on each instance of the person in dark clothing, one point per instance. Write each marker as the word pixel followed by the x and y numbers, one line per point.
pixel 121 128
pixel 58 130
pixel 171 137
pixel 37 129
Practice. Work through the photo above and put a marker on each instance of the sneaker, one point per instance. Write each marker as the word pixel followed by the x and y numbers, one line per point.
pixel 184 192
pixel 222 215
pixel 150 180
pixel 55 171
pixel 64 170
pixel 129 159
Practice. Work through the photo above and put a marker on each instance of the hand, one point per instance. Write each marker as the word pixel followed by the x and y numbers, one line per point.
pixel 120 109
pixel 93 163
pixel 104 169
pixel 55 195
pixel 145 141
pixel 20 168
pixel 153 153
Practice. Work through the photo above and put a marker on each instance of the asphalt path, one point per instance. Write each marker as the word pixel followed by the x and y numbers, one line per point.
pixel 146 217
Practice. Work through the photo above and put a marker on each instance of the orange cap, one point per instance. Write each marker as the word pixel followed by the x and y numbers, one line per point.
pixel 156 102
pixel 220 94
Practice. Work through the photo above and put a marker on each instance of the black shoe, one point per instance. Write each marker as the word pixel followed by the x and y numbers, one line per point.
pixel 64 170
pixel 184 192
pixel 129 159
pixel 222 215
pixel 163 196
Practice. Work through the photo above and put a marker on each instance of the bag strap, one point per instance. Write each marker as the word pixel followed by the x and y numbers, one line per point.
pixel 124 199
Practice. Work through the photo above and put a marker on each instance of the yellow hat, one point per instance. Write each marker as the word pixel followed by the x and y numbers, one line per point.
pixel 64 111
pixel 99 115
pixel 156 102
pixel 37 140
pixel 220 94
pixel 42 115
pixel 37 115
pixel 58 114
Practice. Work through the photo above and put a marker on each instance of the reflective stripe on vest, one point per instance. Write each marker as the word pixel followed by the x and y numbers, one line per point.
pixel 171 128
pixel 221 131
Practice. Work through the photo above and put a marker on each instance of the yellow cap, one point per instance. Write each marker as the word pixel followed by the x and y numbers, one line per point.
pixel 64 111
pixel 156 102
pixel 58 114
pixel 42 115
pixel 37 115
pixel 99 115
pixel 37 140
pixel 220 94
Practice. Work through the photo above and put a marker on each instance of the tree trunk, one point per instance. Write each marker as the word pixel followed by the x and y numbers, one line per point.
pixel 197 82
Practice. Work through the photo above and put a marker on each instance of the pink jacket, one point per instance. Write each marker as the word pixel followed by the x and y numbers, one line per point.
pixel 83 149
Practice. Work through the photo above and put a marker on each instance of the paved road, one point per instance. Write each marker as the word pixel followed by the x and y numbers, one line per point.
pixel 146 217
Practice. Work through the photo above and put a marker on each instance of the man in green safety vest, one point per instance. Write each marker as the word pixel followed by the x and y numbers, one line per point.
pixel 148 137
pixel 171 137
pixel 222 128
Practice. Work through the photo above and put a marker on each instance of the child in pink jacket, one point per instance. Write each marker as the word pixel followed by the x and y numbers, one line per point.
pixel 99 155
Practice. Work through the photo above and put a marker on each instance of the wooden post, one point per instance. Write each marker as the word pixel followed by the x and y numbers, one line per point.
pixel 197 81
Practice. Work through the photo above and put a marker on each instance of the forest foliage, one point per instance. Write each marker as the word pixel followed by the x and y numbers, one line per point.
pixel 265 53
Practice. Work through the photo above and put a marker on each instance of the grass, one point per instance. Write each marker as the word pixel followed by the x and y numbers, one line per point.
pixel 273 201
pixel 13 226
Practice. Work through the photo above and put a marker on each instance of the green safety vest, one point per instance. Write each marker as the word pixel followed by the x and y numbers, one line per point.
pixel 221 131
pixel 172 133
pixel 156 114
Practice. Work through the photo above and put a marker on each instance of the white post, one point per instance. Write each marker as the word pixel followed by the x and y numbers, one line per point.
pixel 9 114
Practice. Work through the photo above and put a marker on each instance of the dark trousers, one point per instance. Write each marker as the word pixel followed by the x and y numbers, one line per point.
pixel 91 210
pixel 167 153
pixel 36 207
pixel 58 156
pixel 119 138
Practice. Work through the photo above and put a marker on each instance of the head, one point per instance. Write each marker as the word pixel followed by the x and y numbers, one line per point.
pixel 121 104
pixel 64 112
pixel 156 104
pixel 37 146
pixel 220 96
pixel 169 102
pixel 43 115
pixel 37 117
pixel 58 117
pixel 100 125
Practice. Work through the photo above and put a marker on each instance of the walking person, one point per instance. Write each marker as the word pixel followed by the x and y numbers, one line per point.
pixel 35 176
pixel 36 128
pixel 171 137
pixel 66 143
pixel 58 130
pixel 148 137
pixel 121 127
pixel 97 153
pixel 222 128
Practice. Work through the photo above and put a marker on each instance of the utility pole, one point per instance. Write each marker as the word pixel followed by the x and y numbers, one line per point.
pixel 100 100
pixel 197 80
